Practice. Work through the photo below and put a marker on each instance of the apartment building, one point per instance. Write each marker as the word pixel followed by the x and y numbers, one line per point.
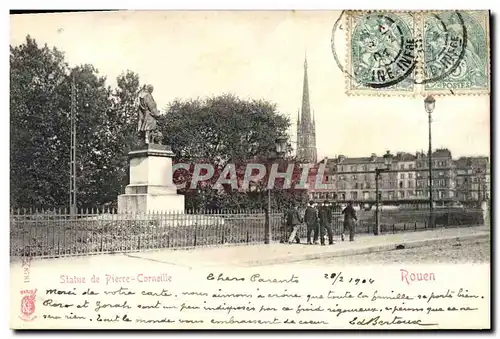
pixel 407 179
pixel 472 179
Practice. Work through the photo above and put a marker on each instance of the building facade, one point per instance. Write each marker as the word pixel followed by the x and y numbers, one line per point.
pixel 473 179
pixel 443 175
pixel 406 181
pixel 306 126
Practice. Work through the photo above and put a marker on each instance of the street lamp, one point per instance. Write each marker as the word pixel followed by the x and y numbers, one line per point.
pixel 281 148
pixel 429 104
pixel 378 171
pixel 281 144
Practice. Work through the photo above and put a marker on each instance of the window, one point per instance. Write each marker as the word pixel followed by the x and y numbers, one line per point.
pixel 402 175
pixel 410 175
pixel 401 194
pixel 402 166
pixel 353 168
pixel 354 177
pixel 410 184
pixel 400 184
pixel 342 196
pixel 366 195
pixel 367 185
pixel 410 193
pixel 410 166
pixel 365 168
pixel 354 195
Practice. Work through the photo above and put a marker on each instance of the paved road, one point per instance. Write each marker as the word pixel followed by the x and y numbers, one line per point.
pixel 446 252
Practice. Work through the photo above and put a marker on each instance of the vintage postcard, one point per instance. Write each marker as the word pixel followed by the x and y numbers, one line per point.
pixel 250 170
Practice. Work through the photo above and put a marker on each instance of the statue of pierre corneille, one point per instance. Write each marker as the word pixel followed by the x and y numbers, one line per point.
pixel 148 115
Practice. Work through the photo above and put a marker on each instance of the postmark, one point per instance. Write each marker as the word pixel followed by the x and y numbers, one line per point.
pixel 382 50
pixel 412 53
pixel 456 52
pixel 28 303
pixel 381 53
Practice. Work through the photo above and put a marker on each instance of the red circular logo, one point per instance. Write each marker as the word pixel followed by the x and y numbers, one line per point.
pixel 28 305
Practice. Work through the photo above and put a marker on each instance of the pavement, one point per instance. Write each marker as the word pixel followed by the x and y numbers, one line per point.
pixel 262 254
pixel 274 254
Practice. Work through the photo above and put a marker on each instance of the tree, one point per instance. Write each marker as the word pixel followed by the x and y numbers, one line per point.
pixel 39 126
pixel 123 129
pixel 40 104
pixel 221 130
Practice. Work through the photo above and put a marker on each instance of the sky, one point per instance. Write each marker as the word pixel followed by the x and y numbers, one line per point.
pixel 189 54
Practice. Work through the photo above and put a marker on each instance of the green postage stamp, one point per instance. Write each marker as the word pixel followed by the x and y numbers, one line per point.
pixel 417 52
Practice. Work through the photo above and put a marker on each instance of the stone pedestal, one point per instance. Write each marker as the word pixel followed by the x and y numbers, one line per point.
pixel 151 188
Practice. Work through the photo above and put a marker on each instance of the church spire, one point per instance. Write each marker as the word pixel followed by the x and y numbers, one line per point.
pixel 306 109
pixel 306 129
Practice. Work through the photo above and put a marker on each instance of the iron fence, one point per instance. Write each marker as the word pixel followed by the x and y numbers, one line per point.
pixel 57 233
pixel 393 221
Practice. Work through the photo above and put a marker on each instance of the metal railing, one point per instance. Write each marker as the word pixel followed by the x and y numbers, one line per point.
pixel 49 234
pixel 56 234
pixel 395 221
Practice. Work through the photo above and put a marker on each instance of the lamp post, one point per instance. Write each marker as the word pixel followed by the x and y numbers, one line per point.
pixel 281 147
pixel 378 171
pixel 429 104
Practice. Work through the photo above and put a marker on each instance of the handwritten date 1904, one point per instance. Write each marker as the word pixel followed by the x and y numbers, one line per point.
pixel 339 278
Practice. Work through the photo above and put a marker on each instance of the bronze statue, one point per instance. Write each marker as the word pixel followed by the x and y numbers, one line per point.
pixel 148 115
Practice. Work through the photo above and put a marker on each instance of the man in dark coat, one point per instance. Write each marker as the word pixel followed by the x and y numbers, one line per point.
pixel 293 221
pixel 148 114
pixel 311 219
pixel 325 222
pixel 349 219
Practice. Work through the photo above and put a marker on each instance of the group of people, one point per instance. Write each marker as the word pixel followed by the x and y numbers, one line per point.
pixel 319 221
